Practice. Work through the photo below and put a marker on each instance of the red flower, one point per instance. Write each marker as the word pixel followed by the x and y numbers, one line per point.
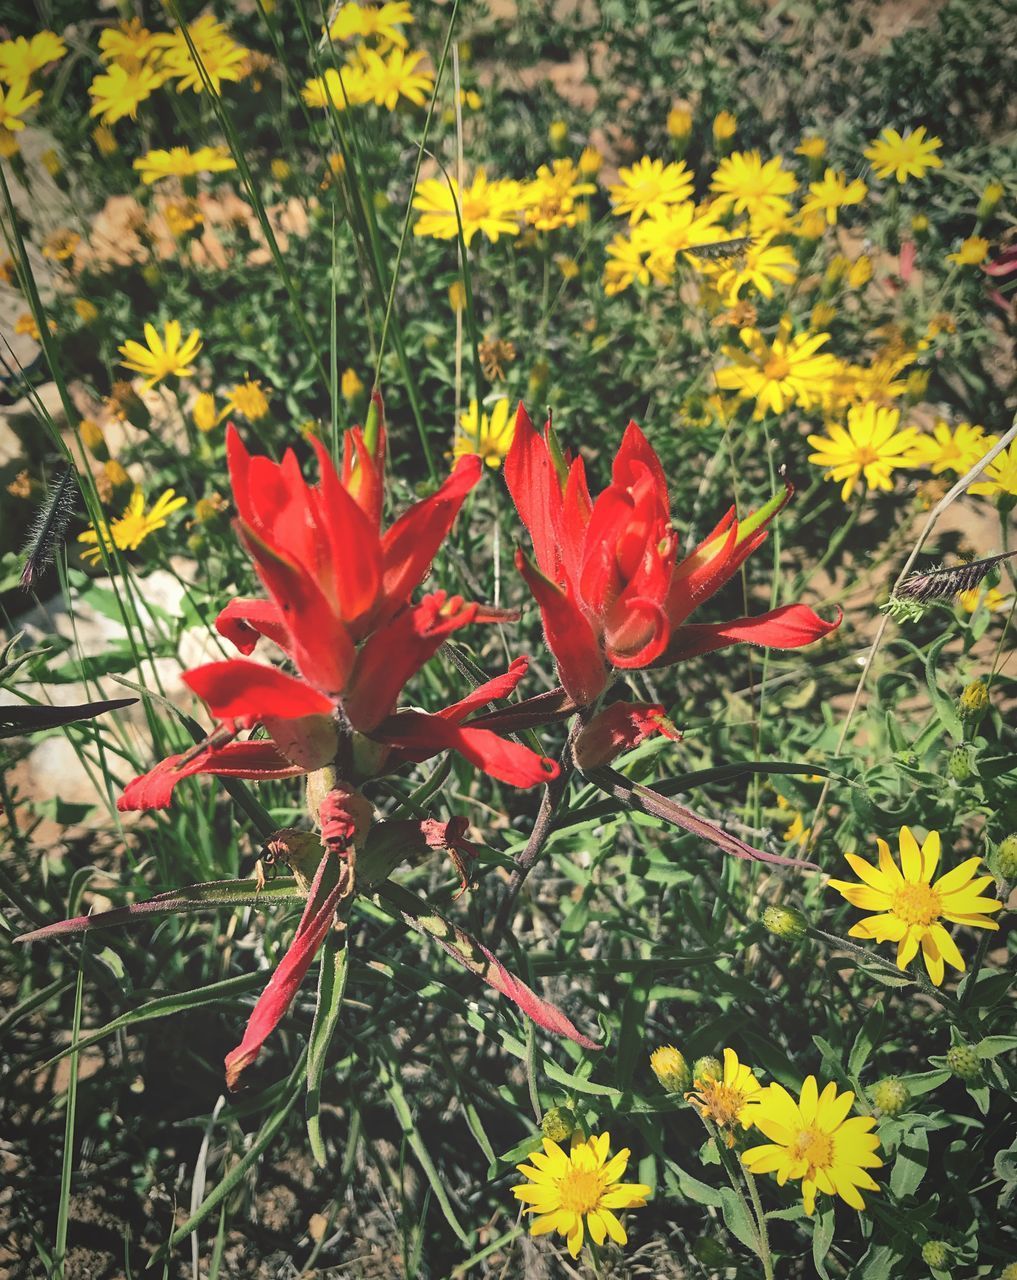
pixel 340 608
pixel 611 590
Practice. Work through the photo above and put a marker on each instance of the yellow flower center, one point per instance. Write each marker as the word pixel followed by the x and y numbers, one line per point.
pixel 865 454
pixel 474 208
pixel 580 1190
pixel 916 904
pixel 814 1147
pixel 777 368
pixel 722 1102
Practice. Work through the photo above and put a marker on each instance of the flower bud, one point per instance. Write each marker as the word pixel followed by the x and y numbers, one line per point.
pixel 1006 858
pixel 959 765
pixel 974 701
pixel 679 127
pixel 890 1096
pixel 706 1069
pixel 991 196
pixel 558 1124
pixel 919 225
pixel 590 162
pixel 86 311
pixel 203 411
pixel 785 922
pixel 935 1253
pixel 93 439
pixel 51 162
pixel 962 1060
pixel 1009 1272
pixel 457 295
pixel 280 169
pixel 351 385
pixel 670 1068
pixel 724 126
pixel 558 135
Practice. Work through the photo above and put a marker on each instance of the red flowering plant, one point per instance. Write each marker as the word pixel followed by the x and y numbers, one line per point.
pixel 341 605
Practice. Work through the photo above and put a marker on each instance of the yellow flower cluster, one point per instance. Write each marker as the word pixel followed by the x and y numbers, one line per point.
pixel 383 72
pixel 20 60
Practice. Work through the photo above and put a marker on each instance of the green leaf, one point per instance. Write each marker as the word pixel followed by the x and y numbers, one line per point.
pixel 1005 1164
pixel 993 1046
pixel 822 1238
pixel 911 1164
pixel 332 977
pixel 945 709
pixel 868 1036
pixel 738 1220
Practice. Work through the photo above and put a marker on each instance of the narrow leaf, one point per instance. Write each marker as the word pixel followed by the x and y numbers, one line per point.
pixel 331 986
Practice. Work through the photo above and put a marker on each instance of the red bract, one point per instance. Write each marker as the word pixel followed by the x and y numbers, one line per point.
pixel 611 590
pixel 340 607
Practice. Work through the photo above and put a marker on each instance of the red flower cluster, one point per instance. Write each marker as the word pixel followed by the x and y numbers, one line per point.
pixel 611 589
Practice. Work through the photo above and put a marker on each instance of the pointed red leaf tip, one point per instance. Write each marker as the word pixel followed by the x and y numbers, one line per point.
pixel 790 627
pixel 254 760
pixel 539 1010
pixel 246 692
pixel 327 890
pixel 618 728
pixel 243 622
pixel 569 635
pixel 536 490
pixel 418 736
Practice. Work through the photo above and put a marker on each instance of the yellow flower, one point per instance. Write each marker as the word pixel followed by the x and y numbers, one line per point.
pixel 670 1068
pixel 218 56
pixel 590 162
pixel 387 79
pixel 563 1190
pixel 813 1139
pixel 367 21
pixel 870 446
pixel 905 156
pixel 105 140
pixel 679 123
pixel 182 216
pixel 489 436
pixel 909 905
pixel 919 224
pixel 679 229
pixel 86 311
pixel 747 185
pixel 790 370
pixel 860 271
pixel 972 251
pixel 649 187
pixel 557 134
pixel 957 450
pixel 568 267
pixel 178 162
pixel 204 412
pixel 551 198
pixel 249 399
pixel 1000 475
pixel 21 58
pixel 457 295
pixel 811 148
pixel 833 193
pixel 162 357
pixel 728 1099
pixel 129 43
pixel 60 245
pixel 492 208
pixel 119 92
pixel 629 261
pixel 990 598
pixel 758 266
pixel 336 89
pixel 350 385
pixel 991 195
pixel 724 126
pixel 130 530
pixel 14 102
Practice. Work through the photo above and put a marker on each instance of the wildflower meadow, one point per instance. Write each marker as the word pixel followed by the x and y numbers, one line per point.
pixel 508 760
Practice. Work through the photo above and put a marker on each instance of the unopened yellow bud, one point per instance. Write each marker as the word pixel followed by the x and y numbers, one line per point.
pixel 457 295
pixel 204 412
pixel 558 134
pixel 707 1069
pixel 590 162
pixel 51 162
pixel 679 123
pixel 991 196
pixel 93 439
pixel 724 126
pixel 558 1124
pixel 281 169
pixel 105 140
pixel 785 922
pixel 974 701
pixel 670 1068
pixel 350 385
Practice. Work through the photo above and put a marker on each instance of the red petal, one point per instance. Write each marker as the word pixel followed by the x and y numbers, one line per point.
pixel 639 635
pixel 533 482
pixel 636 449
pixel 363 475
pixel 395 652
pixel 326 891
pixel 247 692
pixel 413 541
pixel 490 691
pixel 789 627
pixel 255 760
pixel 421 736
pixel 569 635
pixel 243 621
pixel 355 545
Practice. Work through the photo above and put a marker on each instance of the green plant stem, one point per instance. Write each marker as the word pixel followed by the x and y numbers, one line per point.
pixel 754 1210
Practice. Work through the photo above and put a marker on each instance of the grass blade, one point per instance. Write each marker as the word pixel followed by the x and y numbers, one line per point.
pixel 331 985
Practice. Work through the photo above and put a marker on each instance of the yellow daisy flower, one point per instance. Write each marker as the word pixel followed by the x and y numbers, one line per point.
pixel 568 1192
pixel 552 197
pixel 957 450
pixel 163 357
pixel 492 208
pixel 814 1140
pixel 870 446
pixel 14 102
pixel 832 194
pixel 119 92
pixel 367 21
pixel 249 399
pixel 350 385
pixel 128 43
pixel 21 58
pixel 758 267
pixel 910 905
pixel 811 148
pixel 630 260
pixel 218 56
pixel 488 435
pixel 336 89
pixel 727 1100
pixel 1000 475
pixel 130 530
pixel 178 162
pixel 649 187
pixel 747 185
pixel 790 370
pixel 990 598
pixel 393 76
pixel 906 155
pixel 972 251
pixel 724 126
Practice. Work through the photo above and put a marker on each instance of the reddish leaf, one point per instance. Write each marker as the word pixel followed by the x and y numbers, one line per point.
pixel 789 627
pixel 254 760
pixel 420 736
pixel 569 635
